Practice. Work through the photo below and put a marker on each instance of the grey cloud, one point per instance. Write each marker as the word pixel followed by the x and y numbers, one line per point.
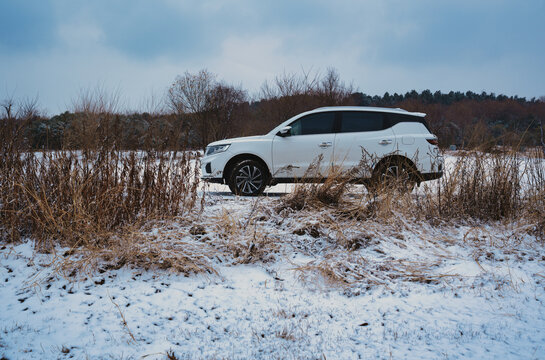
pixel 26 25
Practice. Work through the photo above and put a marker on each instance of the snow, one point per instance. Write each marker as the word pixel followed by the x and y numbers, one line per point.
pixel 449 292
pixel 491 307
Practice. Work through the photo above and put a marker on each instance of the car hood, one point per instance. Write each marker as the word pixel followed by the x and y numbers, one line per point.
pixel 240 139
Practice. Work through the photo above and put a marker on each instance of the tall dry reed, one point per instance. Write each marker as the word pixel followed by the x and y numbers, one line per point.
pixel 89 196
pixel 476 186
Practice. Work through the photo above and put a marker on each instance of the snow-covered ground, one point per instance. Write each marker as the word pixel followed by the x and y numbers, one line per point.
pixel 446 293
pixel 317 290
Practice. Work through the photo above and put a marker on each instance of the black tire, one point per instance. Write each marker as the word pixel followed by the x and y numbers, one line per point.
pixel 248 178
pixel 395 174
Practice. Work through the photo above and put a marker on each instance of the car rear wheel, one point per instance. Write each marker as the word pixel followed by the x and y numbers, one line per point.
pixel 395 175
pixel 248 178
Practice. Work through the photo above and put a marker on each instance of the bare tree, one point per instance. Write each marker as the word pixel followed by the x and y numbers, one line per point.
pixel 18 116
pixel 188 97
pixel 222 104
pixel 96 101
pixel 96 118
pixel 291 93
pixel 153 104
pixel 189 92
pixel 332 89
pixel 28 108
pixel 8 106
pixel 290 84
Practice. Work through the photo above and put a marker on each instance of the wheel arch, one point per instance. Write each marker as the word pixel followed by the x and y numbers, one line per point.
pixel 397 159
pixel 240 157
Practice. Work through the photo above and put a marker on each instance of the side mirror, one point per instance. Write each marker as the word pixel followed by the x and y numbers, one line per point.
pixel 285 131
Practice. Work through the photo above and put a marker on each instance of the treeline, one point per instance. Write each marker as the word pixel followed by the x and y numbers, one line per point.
pixel 199 109
pixel 438 97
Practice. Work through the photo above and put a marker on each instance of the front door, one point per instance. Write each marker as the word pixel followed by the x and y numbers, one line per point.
pixel 310 143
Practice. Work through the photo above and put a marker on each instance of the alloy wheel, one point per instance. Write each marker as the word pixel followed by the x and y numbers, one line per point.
pixel 249 179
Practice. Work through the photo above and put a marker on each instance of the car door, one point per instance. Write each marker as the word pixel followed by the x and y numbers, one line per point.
pixel 310 140
pixel 362 135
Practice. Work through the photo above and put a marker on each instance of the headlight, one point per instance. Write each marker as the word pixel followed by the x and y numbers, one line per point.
pixel 216 149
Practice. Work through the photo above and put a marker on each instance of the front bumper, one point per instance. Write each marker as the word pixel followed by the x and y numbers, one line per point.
pixel 212 167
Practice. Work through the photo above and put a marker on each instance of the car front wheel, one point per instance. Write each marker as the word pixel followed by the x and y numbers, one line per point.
pixel 248 178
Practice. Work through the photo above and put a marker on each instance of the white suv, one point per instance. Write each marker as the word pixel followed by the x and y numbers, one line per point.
pixel 391 142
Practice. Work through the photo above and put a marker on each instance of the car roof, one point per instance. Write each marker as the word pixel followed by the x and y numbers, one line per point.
pixel 367 108
pixel 348 108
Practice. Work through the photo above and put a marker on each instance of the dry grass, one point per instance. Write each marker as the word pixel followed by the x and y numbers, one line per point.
pixel 83 198
pixel 477 187
pixel 487 188
pixel 316 190
pixel 97 201
pixel 244 240
pixel 502 190
pixel 353 271
pixel 535 193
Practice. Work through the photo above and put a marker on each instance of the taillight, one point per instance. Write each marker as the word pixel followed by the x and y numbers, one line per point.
pixel 433 141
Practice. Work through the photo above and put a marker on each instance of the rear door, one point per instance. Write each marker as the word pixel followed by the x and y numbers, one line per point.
pixel 312 138
pixel 363 135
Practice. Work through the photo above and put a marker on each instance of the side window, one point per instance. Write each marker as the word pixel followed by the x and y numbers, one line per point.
pixel 358 121
pixel 393 119
pixel 319 123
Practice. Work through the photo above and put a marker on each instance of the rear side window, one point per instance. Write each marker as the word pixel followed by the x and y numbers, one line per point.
pixel 319 123
pixel 359 121
pixel 392 119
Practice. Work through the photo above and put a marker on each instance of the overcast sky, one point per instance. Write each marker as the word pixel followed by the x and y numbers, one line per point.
pixel 55 48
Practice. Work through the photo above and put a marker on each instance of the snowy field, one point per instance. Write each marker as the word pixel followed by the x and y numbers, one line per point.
pixel 406 291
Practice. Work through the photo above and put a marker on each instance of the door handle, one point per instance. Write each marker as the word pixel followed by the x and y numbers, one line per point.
pixel 385 142
pixel 325 144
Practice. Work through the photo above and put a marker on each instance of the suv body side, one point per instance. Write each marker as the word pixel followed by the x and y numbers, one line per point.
pixel 342 140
